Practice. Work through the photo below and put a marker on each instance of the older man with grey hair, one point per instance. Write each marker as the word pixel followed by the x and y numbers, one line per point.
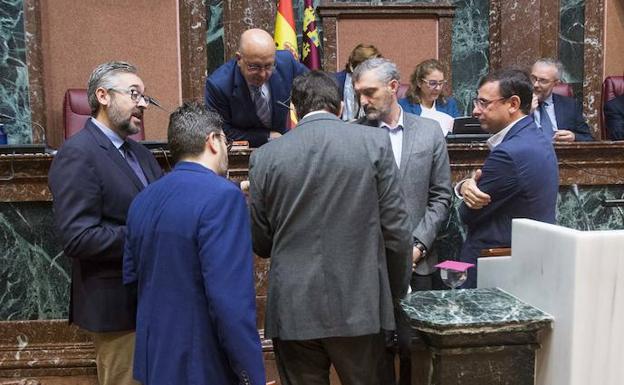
pixel 93 179
pixel 420 153
pixel 559 117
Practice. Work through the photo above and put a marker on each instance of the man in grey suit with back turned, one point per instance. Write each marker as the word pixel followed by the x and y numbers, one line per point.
pixel 327 208
pixel 420 153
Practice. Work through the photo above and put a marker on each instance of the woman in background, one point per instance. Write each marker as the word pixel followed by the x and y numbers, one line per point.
pixel 426 96
pixel 360 53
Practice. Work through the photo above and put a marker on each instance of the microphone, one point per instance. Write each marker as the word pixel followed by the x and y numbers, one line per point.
pixel 42 131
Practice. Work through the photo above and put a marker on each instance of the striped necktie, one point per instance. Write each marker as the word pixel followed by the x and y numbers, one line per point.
pixel 262 106
pixel 545 123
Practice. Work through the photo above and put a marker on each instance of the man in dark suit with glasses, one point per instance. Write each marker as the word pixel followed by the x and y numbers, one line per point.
pixel 252 91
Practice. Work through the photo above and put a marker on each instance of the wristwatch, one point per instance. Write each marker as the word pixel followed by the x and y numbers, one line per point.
pixel 420 246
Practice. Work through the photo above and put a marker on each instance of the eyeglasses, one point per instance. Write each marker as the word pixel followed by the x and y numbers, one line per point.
pixel 259 67
pixel 228 142
pixel 136 96
pixel 482 104
pixel 434 83
pixel 541 81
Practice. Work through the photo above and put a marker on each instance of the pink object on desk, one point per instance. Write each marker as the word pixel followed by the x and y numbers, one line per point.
pixel 454 265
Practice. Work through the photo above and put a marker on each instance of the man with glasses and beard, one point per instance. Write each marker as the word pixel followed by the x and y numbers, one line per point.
pixel 93 179
pixel 252 91
pixel 188 248
pixel 520 176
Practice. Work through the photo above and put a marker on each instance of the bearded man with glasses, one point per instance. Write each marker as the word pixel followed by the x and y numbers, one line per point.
pixel 252 91
pixel 93 178
pixel 520 176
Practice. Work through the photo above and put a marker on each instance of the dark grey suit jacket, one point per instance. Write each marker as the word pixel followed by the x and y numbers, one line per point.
pixel 327 207
pixel 426 181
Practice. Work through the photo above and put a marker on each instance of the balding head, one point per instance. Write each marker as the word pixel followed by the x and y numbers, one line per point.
pixel 256 56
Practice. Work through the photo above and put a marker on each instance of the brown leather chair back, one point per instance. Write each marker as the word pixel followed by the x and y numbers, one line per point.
pixel 76 111
pixel 612 87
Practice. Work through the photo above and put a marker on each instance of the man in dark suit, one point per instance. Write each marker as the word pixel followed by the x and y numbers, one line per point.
pixel 252 91
pixel 565 121
pixel 188 246
pixel 93 178
pixel 420 153
pixel 327 208
pixel 614 118
pixel 520 177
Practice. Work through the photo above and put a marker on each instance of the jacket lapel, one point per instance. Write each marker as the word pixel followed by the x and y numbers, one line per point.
pixel 114 155
pixel 409 137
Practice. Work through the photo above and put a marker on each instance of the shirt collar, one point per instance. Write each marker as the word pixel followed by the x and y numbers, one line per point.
pixel 316 113
pixel 549 100
pixel 399 125
pixel 497 138
pixel 110 134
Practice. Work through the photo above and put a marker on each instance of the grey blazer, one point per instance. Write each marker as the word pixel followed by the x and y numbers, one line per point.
pixel 426 182
pixel 327 207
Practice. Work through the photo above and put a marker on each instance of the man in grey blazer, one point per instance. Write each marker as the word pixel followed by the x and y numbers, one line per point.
pixel 327 208
pixel 420 153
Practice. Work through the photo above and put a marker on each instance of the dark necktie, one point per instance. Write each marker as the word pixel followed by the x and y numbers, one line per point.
pixel 545 123
pixel 262 106
pixel 133 163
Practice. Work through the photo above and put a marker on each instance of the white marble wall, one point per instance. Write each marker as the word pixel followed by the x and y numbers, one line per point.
pixel 578 277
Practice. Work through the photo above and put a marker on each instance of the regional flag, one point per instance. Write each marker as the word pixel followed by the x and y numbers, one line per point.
pixel 310 55
pixel 285 36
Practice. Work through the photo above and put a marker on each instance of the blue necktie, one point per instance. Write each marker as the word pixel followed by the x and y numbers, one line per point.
pixel 545 123
pixel 262 106
pixel 133 163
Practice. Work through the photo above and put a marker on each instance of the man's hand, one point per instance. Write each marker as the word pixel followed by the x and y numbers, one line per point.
pixel 274 135
pixel 473 197
pixel 534 103
pixel 416 257
pixel 564 136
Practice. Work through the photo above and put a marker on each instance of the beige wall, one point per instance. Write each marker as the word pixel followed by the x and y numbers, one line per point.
pixel 407 42
pixel 79 35
pixel 614 38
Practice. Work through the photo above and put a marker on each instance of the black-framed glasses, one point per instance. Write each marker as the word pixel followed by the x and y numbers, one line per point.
pixel 482 103
pixel 136 96
pixel 228 142
pixel 541 81
pixel 434 83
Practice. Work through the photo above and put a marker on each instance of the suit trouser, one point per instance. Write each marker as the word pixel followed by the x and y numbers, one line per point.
pixel 307 362
pixel 400 341
pixel 114 354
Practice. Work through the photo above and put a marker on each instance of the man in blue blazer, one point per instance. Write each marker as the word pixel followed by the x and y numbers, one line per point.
pixel 566 122
pixel 252 91
pixel 520 177
pixel 188 247
pixel 614 118
pixel 93 178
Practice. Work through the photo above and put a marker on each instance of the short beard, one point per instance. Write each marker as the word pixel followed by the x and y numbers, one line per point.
pixel 120 124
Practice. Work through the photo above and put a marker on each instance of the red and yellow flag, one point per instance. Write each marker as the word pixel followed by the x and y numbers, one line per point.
pixel 285 36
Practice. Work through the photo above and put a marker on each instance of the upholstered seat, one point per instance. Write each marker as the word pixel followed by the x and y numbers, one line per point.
pixel 76 111
pixel 612 87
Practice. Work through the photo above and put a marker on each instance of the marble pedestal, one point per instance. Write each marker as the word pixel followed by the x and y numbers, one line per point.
pixel 578 277
pixel 473 337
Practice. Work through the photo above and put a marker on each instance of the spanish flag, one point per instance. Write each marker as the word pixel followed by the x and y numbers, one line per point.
pixel 285 36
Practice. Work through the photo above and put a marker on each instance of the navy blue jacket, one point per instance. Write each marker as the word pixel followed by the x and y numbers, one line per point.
pixel 569 116
pixel 614 118
pixel 521 176
pixel 450 107
pixel 228 94
pixel 189 249
pixel 92 187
